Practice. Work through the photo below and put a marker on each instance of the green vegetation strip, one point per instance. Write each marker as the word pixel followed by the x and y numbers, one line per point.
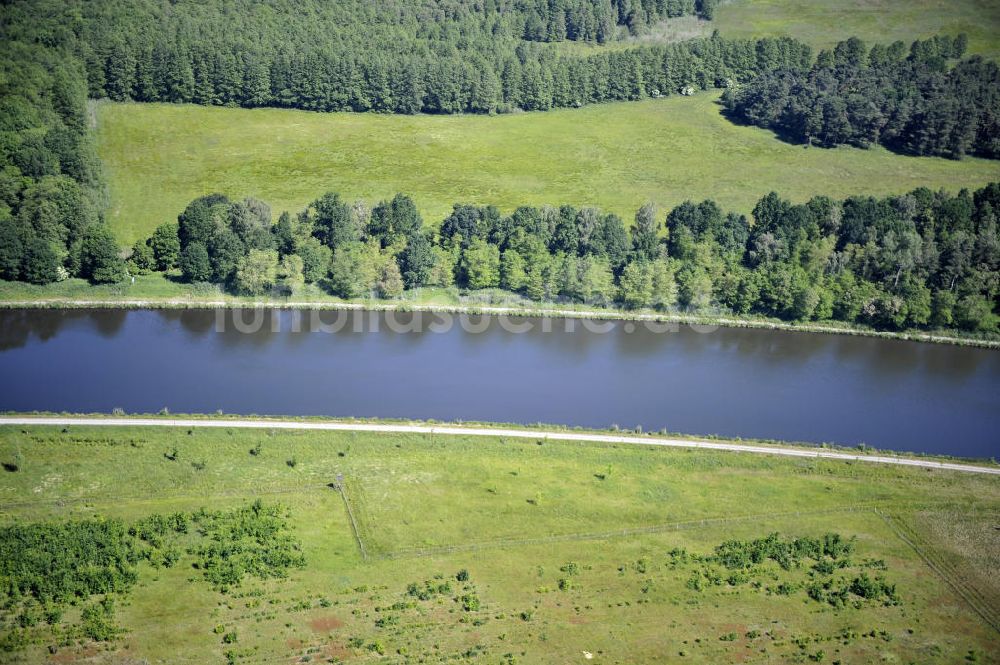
pixel 487 432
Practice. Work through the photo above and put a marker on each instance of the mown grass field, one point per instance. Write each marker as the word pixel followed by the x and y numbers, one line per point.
pixel 159 157
pixel 626 601
pixel 822 23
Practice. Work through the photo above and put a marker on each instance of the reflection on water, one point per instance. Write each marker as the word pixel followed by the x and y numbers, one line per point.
pixel 733 382
pixel 18 326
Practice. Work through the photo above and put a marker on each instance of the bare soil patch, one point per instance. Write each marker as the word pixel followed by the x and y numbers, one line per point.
pixel 325 624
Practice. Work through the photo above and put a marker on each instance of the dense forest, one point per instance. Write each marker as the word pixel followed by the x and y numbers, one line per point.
pixel 442 56
pixel 50 185
pixel 913 101
pixel 436 56
pixel 453 56
pixel 922 260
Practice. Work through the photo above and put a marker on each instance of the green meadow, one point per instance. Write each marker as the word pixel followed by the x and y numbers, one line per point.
pixel 822 23
pixel 158 157
pixel 569 549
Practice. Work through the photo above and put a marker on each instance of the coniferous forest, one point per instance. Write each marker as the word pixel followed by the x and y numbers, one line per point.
pixel 401 57
pixel 922 102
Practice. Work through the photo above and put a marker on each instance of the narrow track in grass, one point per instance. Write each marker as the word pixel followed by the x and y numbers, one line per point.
pixel 621 533
pixel 537 434
pixel 947 572
pixel 342 491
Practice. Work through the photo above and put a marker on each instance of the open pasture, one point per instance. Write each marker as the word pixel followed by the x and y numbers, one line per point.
pixel 158 157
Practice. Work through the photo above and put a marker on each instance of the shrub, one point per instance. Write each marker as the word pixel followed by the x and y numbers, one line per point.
pixel 55 564
pixel 876 589
pixel 98 621
pixel 428 590
pixel 786 553
pixel 823 567
pixel 737 579
pixel 29 616
pixel 785 589
pixel 387 620
pixel 571 568
pixel 250 541
pixel 16 463
pixel 53 615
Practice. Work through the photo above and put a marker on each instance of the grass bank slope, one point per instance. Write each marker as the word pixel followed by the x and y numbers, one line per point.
pixel 531 523
pixel 616 156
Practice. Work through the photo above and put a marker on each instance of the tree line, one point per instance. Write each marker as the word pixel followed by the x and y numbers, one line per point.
pixel 51 199
pixel 920 260
pixel 918 101
pixel 440 56
pixel 454 56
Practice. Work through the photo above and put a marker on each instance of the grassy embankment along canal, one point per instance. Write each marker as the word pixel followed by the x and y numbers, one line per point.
pixel 511 431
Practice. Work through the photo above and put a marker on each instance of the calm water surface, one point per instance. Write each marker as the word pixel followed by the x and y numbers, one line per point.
pixel 732 382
